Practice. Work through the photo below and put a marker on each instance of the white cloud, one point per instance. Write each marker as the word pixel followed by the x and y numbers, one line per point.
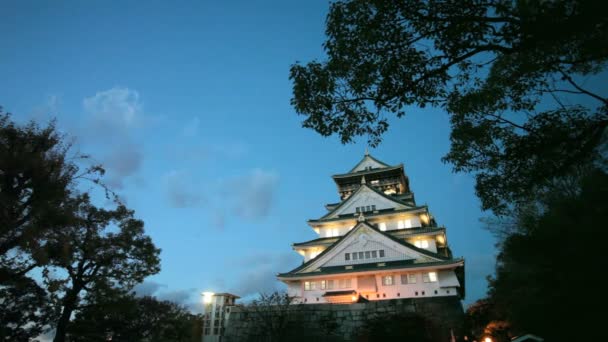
pixel 111 122
pixel 116 106
pixel 255 195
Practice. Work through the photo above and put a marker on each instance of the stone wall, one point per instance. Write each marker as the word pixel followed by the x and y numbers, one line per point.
pixel 436 318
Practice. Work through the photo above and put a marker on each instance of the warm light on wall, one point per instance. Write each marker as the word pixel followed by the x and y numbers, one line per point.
pixel 441 239
pixel 207 297
pixel 354 298
pixel 487 339
pixel 424 218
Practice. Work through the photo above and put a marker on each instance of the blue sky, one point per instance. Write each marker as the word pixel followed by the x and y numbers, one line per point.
pixel 187 105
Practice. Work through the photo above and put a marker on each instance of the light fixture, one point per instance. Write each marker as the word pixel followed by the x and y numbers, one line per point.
pixel 207 297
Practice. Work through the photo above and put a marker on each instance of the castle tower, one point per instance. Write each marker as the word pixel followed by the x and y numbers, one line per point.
pixel 375 244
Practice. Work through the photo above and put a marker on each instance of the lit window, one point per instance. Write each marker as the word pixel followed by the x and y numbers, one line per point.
pixel 323 284
pixel 381 253
pixel 382 226
pixel 346 256
pixel 422 243
pixel 374 254
pixel 306 286
pixel 368 255
pixel 313 285
pixel 344 283
pixel 330 284
pixel 400 224
pixel 375 182
pixel 408 223
pixel 408 278
pixel 429 277
pixel 411 278
pixel 387 280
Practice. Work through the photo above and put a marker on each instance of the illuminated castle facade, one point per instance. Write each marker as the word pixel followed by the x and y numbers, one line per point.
pixel 375 244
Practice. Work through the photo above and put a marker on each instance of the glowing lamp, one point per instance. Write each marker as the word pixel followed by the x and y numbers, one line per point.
pixel 207 297
pixel 487 339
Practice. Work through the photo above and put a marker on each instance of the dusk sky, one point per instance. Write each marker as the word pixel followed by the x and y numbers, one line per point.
pixel 187 106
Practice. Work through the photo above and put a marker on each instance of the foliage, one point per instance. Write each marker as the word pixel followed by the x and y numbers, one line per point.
pixel 274 314
pixel 489 63
pixel 482 321
pixel 548 265
pixel 100 249
pixel 124 317
pixel 402 327
pixel 38 177
pixel 55 245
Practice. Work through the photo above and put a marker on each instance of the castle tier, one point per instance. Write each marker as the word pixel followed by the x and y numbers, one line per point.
pixel 375 244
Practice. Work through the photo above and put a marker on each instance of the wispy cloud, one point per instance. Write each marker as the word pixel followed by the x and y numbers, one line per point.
pixel 118 106
pixel 255 194
pixel 112 118
pixel 258 273
pixel 189 298
pixel 181 190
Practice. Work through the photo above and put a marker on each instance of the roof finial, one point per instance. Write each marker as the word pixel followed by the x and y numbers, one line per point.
pixel 366 151
pixel 361 218
pixel 363 180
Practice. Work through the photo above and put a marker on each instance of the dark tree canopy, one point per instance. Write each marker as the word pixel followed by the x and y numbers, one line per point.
pixel 548 265
pixel 55 244
pixel 489 64
pixel 102 249
pixel 126 318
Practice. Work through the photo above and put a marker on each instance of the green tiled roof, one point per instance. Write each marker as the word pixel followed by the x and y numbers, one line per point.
pixel 367 172
pixel 315 242
pixel 367 155
pixel 400 233
pixel 388 265
pixel 403 243
pixel 359 189
pixel 369 214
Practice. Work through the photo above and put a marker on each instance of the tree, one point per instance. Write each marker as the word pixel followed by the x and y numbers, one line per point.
pixel 546 270
pixel 38 179
pixel 102 249
pixel 400 327
pixel 274 314
pixel 124 317
pixel 489 64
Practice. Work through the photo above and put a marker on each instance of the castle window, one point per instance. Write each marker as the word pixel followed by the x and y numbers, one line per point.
pixel 355 256
pixel 375 182
pixel 382 226
pixel 358 209
pixel 408 279
pixel 368 255
pixel 330 284
pixel 429 277
pixel 388 280
pixel 323 284
pixel 344 283
pixel 374 254
pixel 306 286
pixel 400 224
pixel 373 207
pixel 381 253
pixel 361 256
pixel 422 243
pixel 346 256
